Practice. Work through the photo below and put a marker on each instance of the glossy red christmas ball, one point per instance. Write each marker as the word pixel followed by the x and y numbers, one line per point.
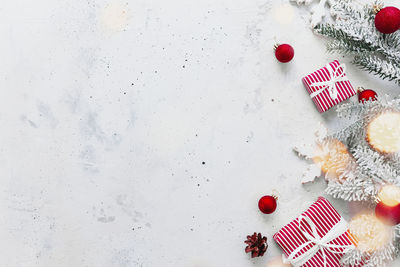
pixel 366 94
pixel 284 53
pixel 267 204
pixel 387 20
pixel 387 214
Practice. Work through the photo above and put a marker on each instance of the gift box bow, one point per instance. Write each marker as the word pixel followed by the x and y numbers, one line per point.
pixel 335 75
pixel 318 237
pixel 318 242
pixel 329 85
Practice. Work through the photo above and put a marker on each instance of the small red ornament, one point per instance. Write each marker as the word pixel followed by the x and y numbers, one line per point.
pixel 284 52
pixel 387 20
pixel 267 204
pixel 387 214
pixel 366 94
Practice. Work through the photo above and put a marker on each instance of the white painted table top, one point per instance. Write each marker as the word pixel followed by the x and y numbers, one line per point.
pixel 146 138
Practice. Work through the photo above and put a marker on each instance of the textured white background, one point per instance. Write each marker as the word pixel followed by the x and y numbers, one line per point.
pixel 109 109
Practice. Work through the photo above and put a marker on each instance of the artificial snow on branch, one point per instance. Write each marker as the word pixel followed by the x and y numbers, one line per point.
pixel 354 33
pixel 375 258
pixel 373 168
pixel 367 169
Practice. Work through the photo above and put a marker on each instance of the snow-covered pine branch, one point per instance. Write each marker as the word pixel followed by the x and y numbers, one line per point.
pixel 354 33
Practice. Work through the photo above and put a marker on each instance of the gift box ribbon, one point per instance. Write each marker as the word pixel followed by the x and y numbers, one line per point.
pixel 330 85
pixel 321 243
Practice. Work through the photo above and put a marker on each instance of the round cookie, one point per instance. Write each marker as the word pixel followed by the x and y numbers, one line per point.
pixel 383 132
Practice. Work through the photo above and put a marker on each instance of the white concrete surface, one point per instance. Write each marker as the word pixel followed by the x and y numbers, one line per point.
pixel 109 109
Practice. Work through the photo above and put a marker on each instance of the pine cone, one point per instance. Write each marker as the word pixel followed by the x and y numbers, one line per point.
pixel 257 244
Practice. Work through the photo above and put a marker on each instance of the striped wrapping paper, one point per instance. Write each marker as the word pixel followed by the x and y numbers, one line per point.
pixel 324 101
pixel 324 216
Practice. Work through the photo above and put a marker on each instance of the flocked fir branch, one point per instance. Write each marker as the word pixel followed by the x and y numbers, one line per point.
pixel 354 33
pixel 374 165
pixel 375 258
pixel 368 172
pixel 372 168
pixel 381 67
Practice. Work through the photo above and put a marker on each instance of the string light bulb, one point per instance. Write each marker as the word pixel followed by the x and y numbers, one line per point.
pixel 277 262
pixel 283 14
pixel 114 16
pixel 389 195
pixel 370 233
pixel 333 158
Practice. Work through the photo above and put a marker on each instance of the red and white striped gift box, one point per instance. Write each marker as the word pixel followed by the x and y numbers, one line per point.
pixel 332 74
pixel 324 217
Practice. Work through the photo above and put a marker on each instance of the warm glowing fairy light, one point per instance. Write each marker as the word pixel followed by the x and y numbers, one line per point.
pixel 115 16
pixel 371 234
pixel 283 14
pixel 389 195
pixel 333 158
pixel 277 262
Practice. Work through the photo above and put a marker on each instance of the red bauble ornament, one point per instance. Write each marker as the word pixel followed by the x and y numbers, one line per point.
pixel 267 204
pixel 366 94
pixel 387 214
pixel 387 20
pixel 284 53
